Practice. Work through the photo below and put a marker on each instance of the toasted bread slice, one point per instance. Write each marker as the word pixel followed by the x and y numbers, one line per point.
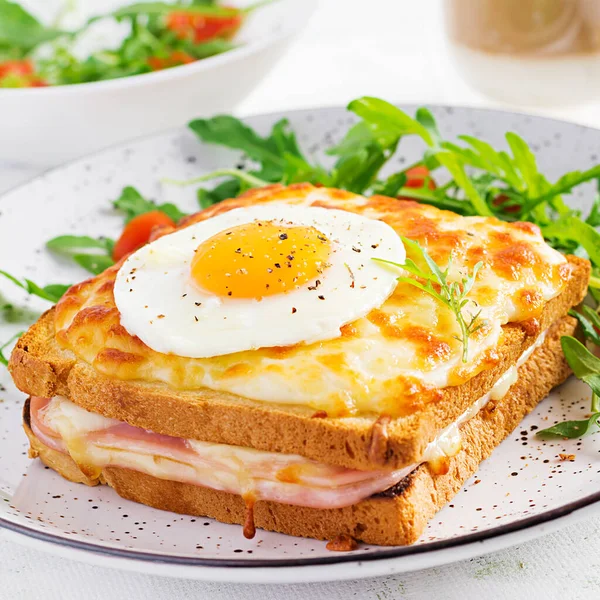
pixel 41 368
pixel 397 516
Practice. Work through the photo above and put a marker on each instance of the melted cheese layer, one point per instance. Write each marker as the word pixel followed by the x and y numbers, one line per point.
pixel 392 360
pixel 95 442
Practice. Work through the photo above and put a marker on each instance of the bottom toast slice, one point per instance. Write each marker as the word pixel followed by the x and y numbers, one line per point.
pixel 397 516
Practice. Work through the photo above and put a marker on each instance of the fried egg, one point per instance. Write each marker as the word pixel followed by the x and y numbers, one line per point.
pixel 255 277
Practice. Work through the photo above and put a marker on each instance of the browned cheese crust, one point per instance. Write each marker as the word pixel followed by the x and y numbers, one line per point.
pixel 396 517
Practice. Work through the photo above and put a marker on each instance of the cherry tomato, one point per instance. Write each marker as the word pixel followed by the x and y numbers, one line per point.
pixel 175 59
pixel 137 232
pixel 501 201
pixel 16 67
pixel 19 73
pixel 202 28
pixel 416 177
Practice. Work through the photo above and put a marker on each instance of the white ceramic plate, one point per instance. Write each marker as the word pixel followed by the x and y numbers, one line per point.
pixel 523 491
pixel 48 126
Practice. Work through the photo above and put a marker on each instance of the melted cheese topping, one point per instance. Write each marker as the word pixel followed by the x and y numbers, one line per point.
pixel 448 442
pixel 391 361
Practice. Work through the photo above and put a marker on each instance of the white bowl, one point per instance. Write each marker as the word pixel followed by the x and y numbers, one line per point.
pixel 48 126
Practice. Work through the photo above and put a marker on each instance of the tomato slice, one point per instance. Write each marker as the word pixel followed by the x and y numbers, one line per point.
pixel 202 28
pixel 137 232
pixel 416 177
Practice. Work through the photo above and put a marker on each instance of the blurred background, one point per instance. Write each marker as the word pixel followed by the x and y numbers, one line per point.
pixel 540 56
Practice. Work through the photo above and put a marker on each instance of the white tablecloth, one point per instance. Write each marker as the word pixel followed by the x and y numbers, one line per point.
pixel 392 49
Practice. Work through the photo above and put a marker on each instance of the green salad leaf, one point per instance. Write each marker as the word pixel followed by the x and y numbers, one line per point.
pixel 589 320
pixel 230 188
pixel 20 30
pixel 132 203
pixel 76 244
pixel 93 254
pixel 572 429
pixel 94 263
pixel 586 367
pixel 52 293
pixel 278 154
pixel 14 338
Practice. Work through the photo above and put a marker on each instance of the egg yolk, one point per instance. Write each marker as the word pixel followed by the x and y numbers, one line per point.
pixel 260 259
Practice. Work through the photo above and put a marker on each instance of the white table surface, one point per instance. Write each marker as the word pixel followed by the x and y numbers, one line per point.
pixel 392 49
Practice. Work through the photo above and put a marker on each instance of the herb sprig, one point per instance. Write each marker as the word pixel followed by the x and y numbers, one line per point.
pixel 430 279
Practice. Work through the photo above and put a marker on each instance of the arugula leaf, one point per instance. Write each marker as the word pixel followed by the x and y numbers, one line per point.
pixel 565 184
pixel 588 323
pixel 355 172
pixel 278 154
pixel 20 30
pixel 483 156
pixel 585 365
pixel 362 153
pixel 524 160
pixel 284 139
pixel 392 185
pixel 132 203
pixel 74 244
pixel 94 255
pixel 230 188
pixel 232 133
pixel 3 359
pixel 571 429
pixel 457 170
pixel 573 229
pixel 52 293
pixel 388 122
pixel 427 120
pixel 94 263
pixel 11 313
pixel 593 218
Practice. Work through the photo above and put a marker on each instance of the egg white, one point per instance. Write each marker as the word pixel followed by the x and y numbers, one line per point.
pixel 160 304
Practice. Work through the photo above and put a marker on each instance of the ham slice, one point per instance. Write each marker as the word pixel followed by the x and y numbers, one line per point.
pixel 97 442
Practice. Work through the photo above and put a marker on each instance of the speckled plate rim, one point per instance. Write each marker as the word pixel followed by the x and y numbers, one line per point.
pixel 378 562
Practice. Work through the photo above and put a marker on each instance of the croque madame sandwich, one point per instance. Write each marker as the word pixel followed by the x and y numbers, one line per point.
pixel 265 364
